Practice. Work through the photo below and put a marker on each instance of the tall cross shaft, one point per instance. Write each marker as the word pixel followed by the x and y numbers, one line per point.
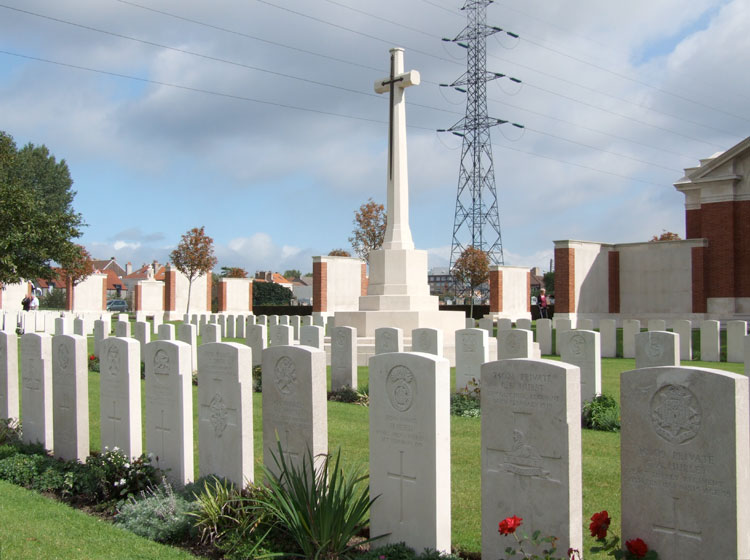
pixel 397 232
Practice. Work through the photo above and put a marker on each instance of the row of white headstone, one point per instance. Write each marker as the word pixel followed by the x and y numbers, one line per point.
pixel 685 434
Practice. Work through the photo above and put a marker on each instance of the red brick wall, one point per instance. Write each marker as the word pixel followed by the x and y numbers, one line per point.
pixel 528 291
pixel 170 295
pixel 209 285
pixel 364 281
pixel 565 273
pixel 250 305
pixel 693 224
pixel 137 298
pixel 614 281
pixel 222 296
pixel 104 294
pixel 496 291
pixel 699 295
pixel 742 248
pixel 320 286
pixel 717 224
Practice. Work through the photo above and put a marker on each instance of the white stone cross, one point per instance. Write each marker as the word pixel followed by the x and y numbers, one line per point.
pixel 397 232
pixel 401 477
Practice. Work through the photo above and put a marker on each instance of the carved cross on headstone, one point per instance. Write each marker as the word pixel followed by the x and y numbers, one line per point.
pixel 402 478
pixel 164 430
pixel 673 528
pixel 398 234
pixel 115 421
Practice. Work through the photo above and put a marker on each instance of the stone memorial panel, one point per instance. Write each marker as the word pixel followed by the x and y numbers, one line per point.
pixel 710 346
pixel 515 343
pixel 583 349
pixel 472 350
pixel 257 340
pixel 389 339
pixel 311 336
pixel 429 341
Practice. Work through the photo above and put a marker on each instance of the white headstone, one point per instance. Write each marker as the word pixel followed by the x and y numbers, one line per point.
pixel 531 451
pixel 261 320
pixel 608 336
pixel 123 317
pixel 487 324
pixel 273 320
pixel 657 325
pixel 389 339
pixel 158 320
pixel 472 350
pixel 630 327
pixel 142 334
pixel 120 396
pixel 410 453
pixel 250 320
pixel 585 325
pixel 319 321
pixel 186 333
pixel 710 341
pixel 561 327
pixel 70 397
pixel 657 348
pixel 306 321
pixel 470 323
pixel 256 339
pixel 100 333
pixel 36 388
pixel 311 336
pixel 343 358
pixel 9 404
pixel 122 329
pixel 583 349
pixel 239 328
pixel 211 333
pixel 221 320
pixel 284 320
pixel 294 322
pixel 281 335
pixel 736 332
pixel 684 329
pixel 544 335
pixel 169 408
pixel 225 414
pixel 524 324
pixel 515 343
pixel 294 404
pixel 63 325
pixel 79 327
pixel 427 340
pixel 684 457
pixel 504 323
pixel 166 331
pixel 330 324
pixel 229 326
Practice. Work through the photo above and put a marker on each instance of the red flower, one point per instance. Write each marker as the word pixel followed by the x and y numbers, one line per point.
pixel 509 525
pixel 637 548
pixel 92 357
pixel 599 524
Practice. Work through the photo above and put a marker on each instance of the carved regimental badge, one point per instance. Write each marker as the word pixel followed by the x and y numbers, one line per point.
pixel 285 375
pixel 63 357
pixel 675 414
pixel 577 344
pixel 401 388
pixel 113 360
pixel 469 344
pixel 161 362
pixel 218 414
pixel 654 349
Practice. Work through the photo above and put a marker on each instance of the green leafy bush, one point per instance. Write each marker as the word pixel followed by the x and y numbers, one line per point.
pixel 349 395
pixel 7 450
pixel 115 476
pixel 602 413
pixel 399 551
pixel 10 431
pixel 321 507
pixel 465 405
pixel 158 514
pixel 21 469
pixel 258 379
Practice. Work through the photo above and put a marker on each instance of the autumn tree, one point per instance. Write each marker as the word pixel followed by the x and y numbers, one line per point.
pixel 471 269
pixel 194 257
pixel 666 236
pixel 37 220
pixel 369 230
pixel 339 253
pixel 77 265
pixel 233 272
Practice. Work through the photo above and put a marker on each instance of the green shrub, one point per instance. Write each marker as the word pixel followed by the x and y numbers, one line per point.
pixel 602 413
pixel 349 395
pixel 114 476
pixel 21 469
pixel 258 379
pixel 399 551
pixel 7 450
pixel 159 514
pixel 10 431
pixel 320 507
pixel 465 405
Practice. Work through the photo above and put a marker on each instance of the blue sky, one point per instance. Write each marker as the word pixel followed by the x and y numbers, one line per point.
pixel 275 185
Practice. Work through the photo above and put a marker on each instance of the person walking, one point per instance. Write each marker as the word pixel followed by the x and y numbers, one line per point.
pixel 543 304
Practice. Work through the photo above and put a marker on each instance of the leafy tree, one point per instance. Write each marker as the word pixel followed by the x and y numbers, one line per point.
pixel 549 282
pixel 471 269
pixel 339 253
pixel 194 257
pixel 78 265
pixel 369 231
pixel 292 273
pixel 270 293
pixel 37 221
pixel 233 272
pixel 666 236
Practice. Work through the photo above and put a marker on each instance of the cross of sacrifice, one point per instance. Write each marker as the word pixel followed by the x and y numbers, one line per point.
pixel 401 477
pixel 673 528
pixel 398 234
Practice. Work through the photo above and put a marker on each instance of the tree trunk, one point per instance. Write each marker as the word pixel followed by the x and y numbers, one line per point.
pixel 190 289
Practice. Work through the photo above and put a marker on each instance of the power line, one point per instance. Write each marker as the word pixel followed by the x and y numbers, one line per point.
pixel 374 16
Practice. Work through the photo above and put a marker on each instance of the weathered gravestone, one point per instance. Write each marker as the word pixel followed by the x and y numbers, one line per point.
pixel 515 343
pixel 70 397
pixel 561 327
pixel 295 412
pixel 319 320
pixel 504 324
pixel 63 325
pixel 544 335
pixel 158 320
pixel 284 320
pixel 225 414
pixel 257 340
pixel 142 333
pixel 211 333
pixel 583 349
pixel 657 348
pixel 410 450
pixel 169 408
pixel 9 375
pixel 524 324
pixel 294 322
pixel 736 332
pixel 101 332
pixel 657 325
pixel 36 388
pixel 239 327
pixel 343 358
pixel 684 457
pixel 273 320
pixel 311 336
pixel 531 451
pixel 79 327
pixel 429 341
pixel 630 327
pixel 684 329
pixel 122 329
pixel 261 320
pixel 487 324
pixel 250 320
pixel 120 396
pixel 470 323
pixel 221 320
pixel 330 324
pixel 585 325
pixel 389 339
pixel 472 350
pixel 306 321
pixel 187 333
pixel 608 337
pixel 230 322
pixel 710 341
pixel 282 335
pixel 166 332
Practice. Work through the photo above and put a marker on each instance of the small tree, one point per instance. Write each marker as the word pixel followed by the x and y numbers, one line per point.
pixel 666 236
pixel 369 231
pixel 78 265
pixel 549 282
pixel 270 293
pixel 233 272
pixel 292 273
pixel 472 268
pixel 194 257
pixel 339 253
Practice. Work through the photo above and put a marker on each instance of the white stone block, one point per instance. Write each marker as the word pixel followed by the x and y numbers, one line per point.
pixel 544 335
pixel 257 339
pixel 429 341
pixel 389 339
pixel 630 327
pixel 472 350
pixel 343 358
pixel 70 397
pixel 657 348
pixel 684 329
pixel 36 388
pixel 311 336
pixel 710 345
pixel 583 349
pixel 608 337
pixel 657 325
pixel 736 332
pixel 515 343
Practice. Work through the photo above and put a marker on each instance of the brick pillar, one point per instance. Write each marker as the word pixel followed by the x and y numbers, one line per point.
pixel 222 296
pixel 496 290
pixel 693 223
pixel 170 289
pixel 742 248
pixel 364 282
pixel 138 298
pixel 698 279
pixel 320 286
pixel 565 276
pixel 104 294
pixel 614 281
pixel 209 285
pixel 250 305
pixel 718 227
pixel 69 295
pixel 528 291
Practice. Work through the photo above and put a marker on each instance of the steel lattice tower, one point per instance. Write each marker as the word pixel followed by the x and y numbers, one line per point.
pixel 477 221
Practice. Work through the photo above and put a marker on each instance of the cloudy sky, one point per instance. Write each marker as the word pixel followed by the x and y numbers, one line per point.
pixel 257 118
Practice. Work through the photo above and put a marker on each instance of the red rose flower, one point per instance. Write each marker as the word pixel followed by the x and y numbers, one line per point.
pixel 599 524
pixel 637 548
pixel 509 525
pixel 92 357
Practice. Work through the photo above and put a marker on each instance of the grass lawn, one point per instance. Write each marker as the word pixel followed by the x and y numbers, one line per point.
pixel 348 426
